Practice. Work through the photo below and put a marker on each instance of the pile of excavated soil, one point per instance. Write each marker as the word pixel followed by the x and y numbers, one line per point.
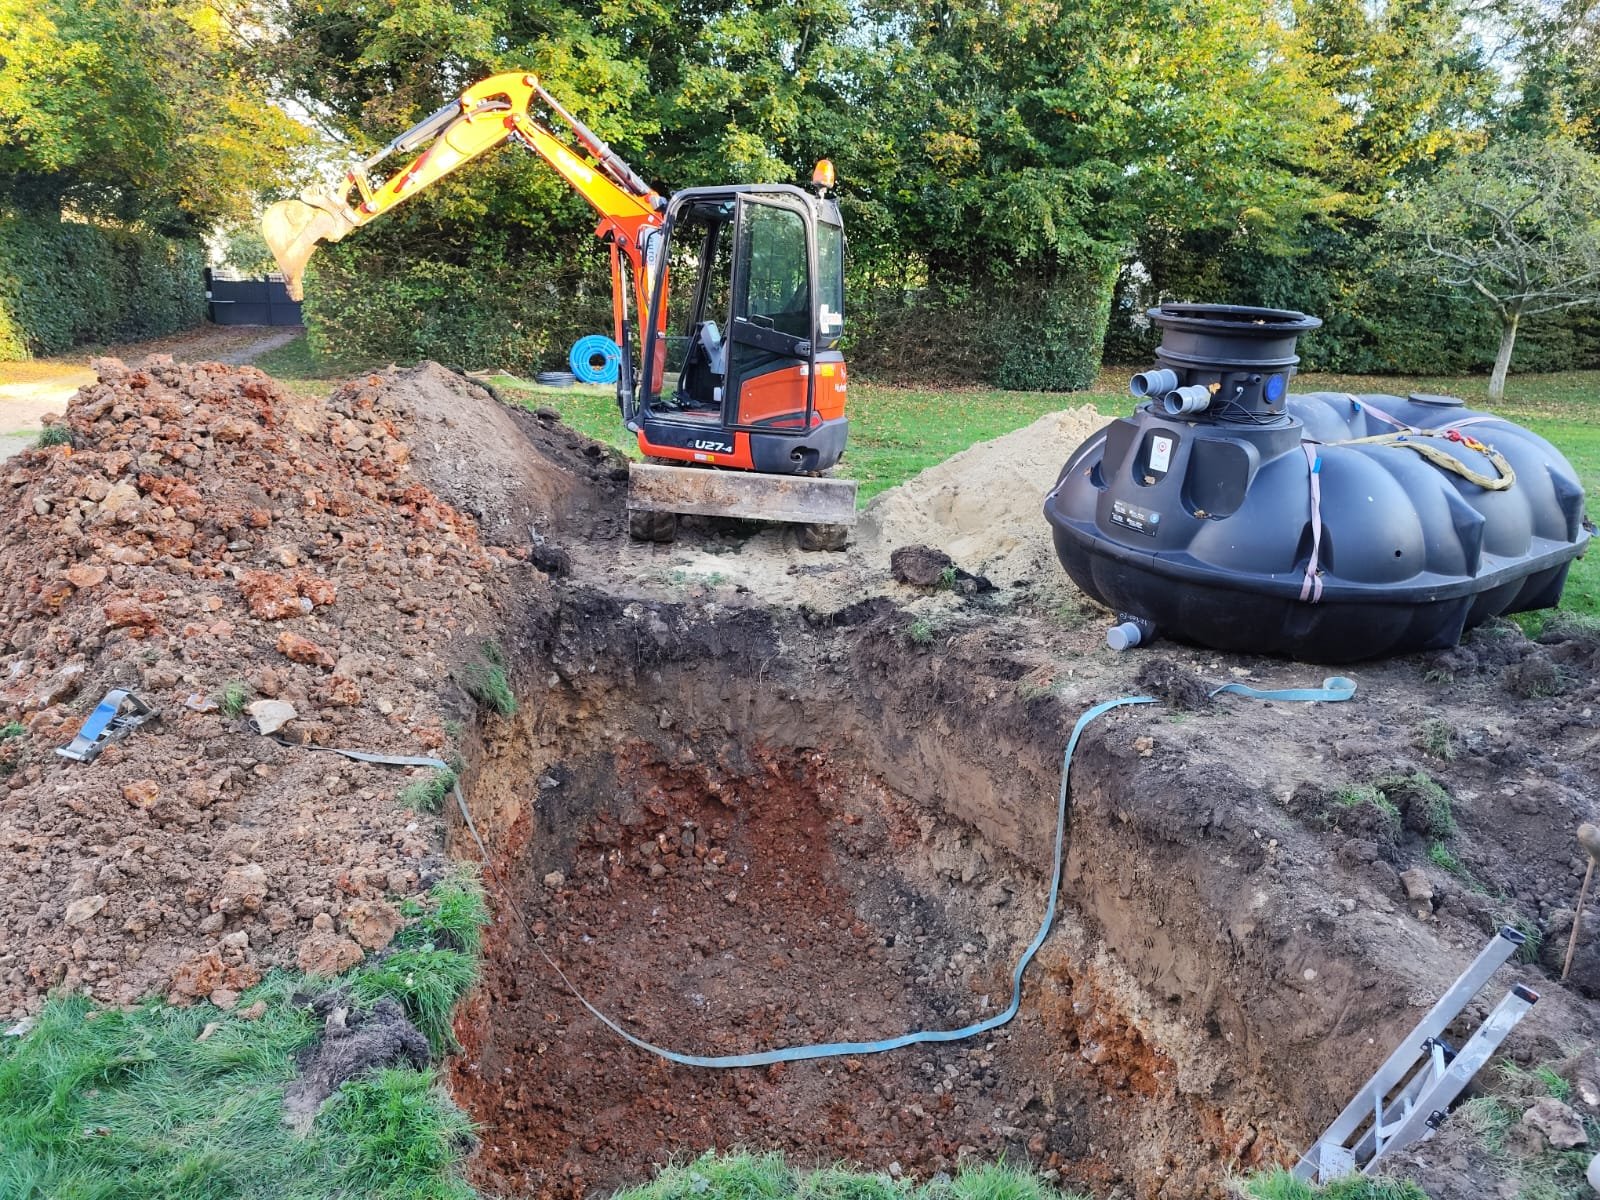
pixel 983 506
pixel 208 529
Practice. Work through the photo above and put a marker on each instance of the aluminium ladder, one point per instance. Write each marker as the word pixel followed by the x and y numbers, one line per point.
pixel 1412 1092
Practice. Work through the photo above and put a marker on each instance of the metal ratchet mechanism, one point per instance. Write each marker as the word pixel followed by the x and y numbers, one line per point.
pixel 113 719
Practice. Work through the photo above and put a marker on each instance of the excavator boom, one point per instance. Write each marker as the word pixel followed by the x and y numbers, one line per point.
pixel 490 112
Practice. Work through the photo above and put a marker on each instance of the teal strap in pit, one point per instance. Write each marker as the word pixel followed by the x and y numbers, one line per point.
pixel 1334 689
pixel 765 1058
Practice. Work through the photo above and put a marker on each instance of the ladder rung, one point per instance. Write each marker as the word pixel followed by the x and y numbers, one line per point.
pixel 1422 1042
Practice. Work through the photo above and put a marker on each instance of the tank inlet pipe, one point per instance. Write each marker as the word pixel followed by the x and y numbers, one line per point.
pixel 1182 401
pixel 1153 383
pixel 1132 631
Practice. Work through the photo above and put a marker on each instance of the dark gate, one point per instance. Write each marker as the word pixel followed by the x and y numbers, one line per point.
pixel 253 302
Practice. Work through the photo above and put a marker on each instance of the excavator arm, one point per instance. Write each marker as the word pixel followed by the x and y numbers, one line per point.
pixel 490 112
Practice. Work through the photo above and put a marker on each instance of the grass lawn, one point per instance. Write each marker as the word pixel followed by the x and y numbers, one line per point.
pixel 162 1103
pixel 1280 1185
pixel 769 1177
pixel 896 432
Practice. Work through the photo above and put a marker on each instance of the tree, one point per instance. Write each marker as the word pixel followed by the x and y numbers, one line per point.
pixel 1558 70
pixel 992 154
pixel 1413 83
pixel 1025 129
pixel 151 112
pixel 1517 224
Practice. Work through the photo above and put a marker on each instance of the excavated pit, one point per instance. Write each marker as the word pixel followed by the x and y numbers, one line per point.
pixel 734 835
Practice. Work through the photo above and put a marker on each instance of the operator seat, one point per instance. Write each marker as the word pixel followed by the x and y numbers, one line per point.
pixel 705 368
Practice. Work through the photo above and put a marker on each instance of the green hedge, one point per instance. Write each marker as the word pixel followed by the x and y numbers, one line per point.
pixel 1036 327
pixel 66 282
pixel 488 304
pixel 366 301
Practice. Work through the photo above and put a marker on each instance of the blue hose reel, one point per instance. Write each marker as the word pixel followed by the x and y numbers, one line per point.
pixel 595 359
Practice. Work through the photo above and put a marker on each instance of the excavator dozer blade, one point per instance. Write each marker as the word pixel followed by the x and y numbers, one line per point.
pixel 800 499
pixel 293 229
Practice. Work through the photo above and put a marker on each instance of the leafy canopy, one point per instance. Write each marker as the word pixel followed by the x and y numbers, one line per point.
pixel 1518 222
pixel 974 130
pixel 150 111
pixel 1037 129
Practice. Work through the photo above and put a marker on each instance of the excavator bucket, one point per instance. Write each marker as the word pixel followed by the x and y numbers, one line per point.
pixel 799 499
pixel 293 228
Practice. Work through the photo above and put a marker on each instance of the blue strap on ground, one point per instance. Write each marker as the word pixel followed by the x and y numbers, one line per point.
pixel 590 347
pixel 1332 690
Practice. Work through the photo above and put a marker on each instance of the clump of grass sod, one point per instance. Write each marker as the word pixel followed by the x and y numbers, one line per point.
pixel 745 1176
pixel 164 1103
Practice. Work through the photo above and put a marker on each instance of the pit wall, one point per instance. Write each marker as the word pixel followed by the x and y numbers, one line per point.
pixel 1213 1020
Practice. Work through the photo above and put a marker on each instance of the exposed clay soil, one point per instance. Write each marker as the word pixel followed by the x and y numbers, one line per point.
pixel 208 527
pixel 747 807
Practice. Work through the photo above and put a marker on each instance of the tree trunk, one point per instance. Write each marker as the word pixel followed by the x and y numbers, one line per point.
pixel 1502 360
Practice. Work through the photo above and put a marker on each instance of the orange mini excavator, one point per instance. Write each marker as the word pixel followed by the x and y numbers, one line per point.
pixel 735 366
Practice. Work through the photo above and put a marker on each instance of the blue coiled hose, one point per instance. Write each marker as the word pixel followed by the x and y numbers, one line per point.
pixel 586 350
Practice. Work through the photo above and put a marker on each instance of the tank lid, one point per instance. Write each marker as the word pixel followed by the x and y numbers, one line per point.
pixel 1239 320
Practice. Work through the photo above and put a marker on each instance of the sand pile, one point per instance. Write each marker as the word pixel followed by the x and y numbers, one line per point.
pixel 983 506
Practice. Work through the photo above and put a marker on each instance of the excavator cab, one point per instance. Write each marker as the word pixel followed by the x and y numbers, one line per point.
pixel 740 290
pixel 744 368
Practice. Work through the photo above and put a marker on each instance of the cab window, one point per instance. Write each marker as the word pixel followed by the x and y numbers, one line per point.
pixel 830 283
pixel 775 291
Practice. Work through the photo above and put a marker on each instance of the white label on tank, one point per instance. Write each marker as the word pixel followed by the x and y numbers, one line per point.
pixel 1160 453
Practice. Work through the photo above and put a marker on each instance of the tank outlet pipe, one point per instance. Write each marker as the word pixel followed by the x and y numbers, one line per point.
pixel 1153 383
pixel 1180 402
pixel 1134 631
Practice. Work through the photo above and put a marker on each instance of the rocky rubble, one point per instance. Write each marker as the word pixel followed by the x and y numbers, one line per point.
pixel 209 538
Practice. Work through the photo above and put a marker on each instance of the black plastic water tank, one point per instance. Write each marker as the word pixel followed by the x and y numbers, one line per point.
pixel 1330 527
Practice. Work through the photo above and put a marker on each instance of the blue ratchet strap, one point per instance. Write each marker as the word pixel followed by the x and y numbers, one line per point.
pixel 106 724
pixel 100 719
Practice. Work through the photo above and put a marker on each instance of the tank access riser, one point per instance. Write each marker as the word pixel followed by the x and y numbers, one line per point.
pixel 702 491
pixel 1412 1092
